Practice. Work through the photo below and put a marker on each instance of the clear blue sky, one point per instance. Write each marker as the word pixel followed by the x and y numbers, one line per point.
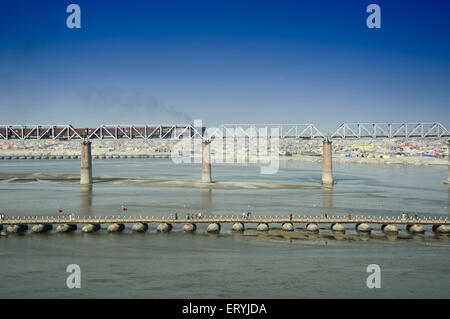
pixel 224 61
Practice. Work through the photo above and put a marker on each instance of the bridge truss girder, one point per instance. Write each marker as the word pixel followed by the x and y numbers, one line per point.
pixel 114 132
pixel 182 131
pixel 391 130
pixel 297 131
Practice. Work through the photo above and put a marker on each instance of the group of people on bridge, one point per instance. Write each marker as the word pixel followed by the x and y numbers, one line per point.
pixel 192 216
pixel 405 216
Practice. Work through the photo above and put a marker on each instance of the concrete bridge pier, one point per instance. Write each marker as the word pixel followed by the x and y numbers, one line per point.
pixel 388 228
pixel 140 227
pixel 165 228
pixel 262 227
pixel 338 228
pixel 363 228
pixel 313 228
pixel 441 229
pixel 287 227
pixel 206 162
pixel 115 228
pixel 238 227
pixel 415 229
pixel 17 229
pixel 90 228
pixel 66 228
pixel 86 163
pixel 41 228
pixel 213 228
pixel 327 168
pixel 189 228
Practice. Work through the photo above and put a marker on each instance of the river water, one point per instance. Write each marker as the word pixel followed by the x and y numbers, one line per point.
pixel 180 265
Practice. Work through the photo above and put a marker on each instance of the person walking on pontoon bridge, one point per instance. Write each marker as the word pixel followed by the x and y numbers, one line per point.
pixel 199 215
pixel 349 216
pixel 290 216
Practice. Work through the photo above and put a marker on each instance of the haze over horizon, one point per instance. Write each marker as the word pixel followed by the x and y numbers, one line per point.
pixel 135 62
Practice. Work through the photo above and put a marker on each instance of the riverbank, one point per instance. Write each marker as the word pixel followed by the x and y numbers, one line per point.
pixel 416 152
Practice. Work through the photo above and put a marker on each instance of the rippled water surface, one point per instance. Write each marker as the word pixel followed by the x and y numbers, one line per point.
pixel 179 265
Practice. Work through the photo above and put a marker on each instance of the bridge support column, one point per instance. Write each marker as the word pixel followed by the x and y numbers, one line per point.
pixel 389 228
pixel 415 229
pixel 443 229
pixel 90 228
pixel 287 227
pixel 327 170
pixel 206 162
pixel 41 228
pixel 213 228
pixel 115 228
pixel 164 228
pixel 339 228
pixel 313 228
pixel 17 229
pixel 189 228
pixel 262 227
pixel 238 227
pixel 86 163
pixel 363 228
pixel 139 227
pixel 66 228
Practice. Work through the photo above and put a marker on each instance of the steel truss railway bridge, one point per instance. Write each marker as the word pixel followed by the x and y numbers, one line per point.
pixel 229 131
pixel 182 131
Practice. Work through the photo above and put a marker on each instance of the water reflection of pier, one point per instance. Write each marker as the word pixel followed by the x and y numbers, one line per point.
pixel 206 201
pixel 327 198
pixel 448 200
pixel 86 200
